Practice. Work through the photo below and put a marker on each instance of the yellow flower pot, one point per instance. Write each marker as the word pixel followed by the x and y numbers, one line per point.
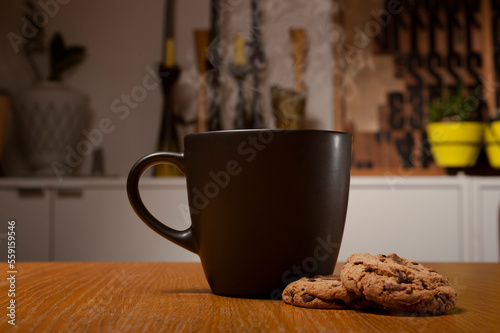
pixel 492 143
pixel 455 144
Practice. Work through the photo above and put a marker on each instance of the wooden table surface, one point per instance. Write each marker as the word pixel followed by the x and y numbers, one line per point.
pixel 175 297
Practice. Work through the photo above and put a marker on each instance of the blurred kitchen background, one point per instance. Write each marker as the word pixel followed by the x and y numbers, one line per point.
pixel 145 74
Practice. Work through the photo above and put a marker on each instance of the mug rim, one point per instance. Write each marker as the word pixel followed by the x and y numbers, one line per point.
pixel 277 130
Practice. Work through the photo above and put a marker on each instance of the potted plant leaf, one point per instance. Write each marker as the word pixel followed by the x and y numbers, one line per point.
pixel 50 115
pixel 455 129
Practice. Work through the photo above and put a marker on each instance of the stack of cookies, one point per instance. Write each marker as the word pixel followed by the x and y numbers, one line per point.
pixel 384 282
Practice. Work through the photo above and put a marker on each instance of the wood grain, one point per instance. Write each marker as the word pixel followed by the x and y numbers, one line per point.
pixel 488 62
pixel 175 297
pixel 427 61
pixel 298 37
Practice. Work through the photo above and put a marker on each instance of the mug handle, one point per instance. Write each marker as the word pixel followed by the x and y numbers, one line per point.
pixel 183 238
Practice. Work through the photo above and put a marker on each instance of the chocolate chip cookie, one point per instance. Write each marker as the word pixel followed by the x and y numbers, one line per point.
pixel 398 283
pixel 322 292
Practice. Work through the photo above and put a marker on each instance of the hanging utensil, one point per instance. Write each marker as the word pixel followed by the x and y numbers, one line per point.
pixel 213 74
pixel 289 105
pixel 202 42
pixel 257 61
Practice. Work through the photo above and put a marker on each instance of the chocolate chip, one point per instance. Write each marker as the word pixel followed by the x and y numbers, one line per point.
pixel 369 270
pixel 308 298
pixel 383 255
pixel 382 260
pixel 397 259
pixel 292 293
pixel 390 287
pixel 443 298
pixel 424 285
pixel 358 262
pixel 403 278
pixel 311 280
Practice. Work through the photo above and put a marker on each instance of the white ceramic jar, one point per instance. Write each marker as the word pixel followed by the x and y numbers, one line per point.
pixel 50 117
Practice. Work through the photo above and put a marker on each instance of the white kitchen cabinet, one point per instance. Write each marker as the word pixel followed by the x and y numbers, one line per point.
pixel 486 221
pixel 422 220
pixel 97 223
pixel 30 209
pixel 90 219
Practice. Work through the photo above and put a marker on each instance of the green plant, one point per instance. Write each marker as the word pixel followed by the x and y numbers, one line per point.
pixel 63 58
pixel 456 106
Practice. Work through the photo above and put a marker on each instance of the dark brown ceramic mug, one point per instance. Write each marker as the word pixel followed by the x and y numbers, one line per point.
pixel 266 206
